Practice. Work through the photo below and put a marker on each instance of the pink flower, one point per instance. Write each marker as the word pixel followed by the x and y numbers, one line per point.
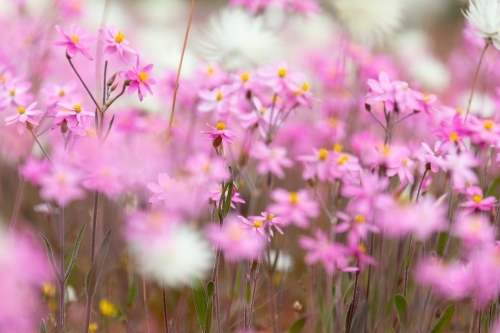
pixel 483 131
pixel 23 117
pixel 434 158
pixel 271 220
pixel 218 99
pixel 453 132
pixel 423 102
pixel 294 207
pixel 357 225
pixel 115 42
pixel 236 241
pixel 220 131
pixel 474 230
pixel 164 189
pixel 34 169
pixel 476 201
pixel 75 41
pixel 341 164
pixel 55 93
pixel 316 165
pixel 461 166
pixel 271 159
pixel 62 185
pixel 140 79
pixel 73 111
pixel 204 169
pixel 257 227
pixel 15 92
pixel 216 192
pixel 331 255
pixel 280 78
pixel 400 164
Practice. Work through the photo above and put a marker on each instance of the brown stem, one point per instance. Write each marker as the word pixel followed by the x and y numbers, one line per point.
pixel 165 315
pixel 83 83
pixel 475 79
pixel 62 280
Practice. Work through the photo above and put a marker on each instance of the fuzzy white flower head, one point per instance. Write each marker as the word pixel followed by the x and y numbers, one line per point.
pixel 369 21
pixel 177 259
pixel 235 39
pixel 485 16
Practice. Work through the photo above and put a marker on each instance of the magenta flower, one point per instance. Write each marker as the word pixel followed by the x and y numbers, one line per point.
pixel 461 166
pixel 483 131
pixel 333 256
pixel 341 164
pixel 220 131
pixel 453 132
pixel 357 226
pixel 216 192
pixel 140 79
pixel 73 111
pixel 294 207
pixel 115 42
pixel 476 201
pixel 434 158
pixel 23 117
pixel 271 220
pixel 401 164
pixel 423 102
pixel 62 185
pixel 75 41
pixel 271 160
pixel 256 227
pixel 15 92
pixel 316 164
pixel 164 189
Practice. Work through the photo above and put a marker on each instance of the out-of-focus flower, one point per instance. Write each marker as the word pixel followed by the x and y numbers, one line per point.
pixel 474 230
pixel 108 309
pixel 294 207
pixel 15 92
pixel 55 93
pixel 75 41
pixel 23 117
pixel 140 79
pixel 218 99
pixel 461 166
pixel 271 160
pixel 235 39
pixel 483 14
pixel 62 185
pixel 280 78
pixel 369 21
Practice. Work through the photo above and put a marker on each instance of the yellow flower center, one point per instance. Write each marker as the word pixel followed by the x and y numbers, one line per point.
pixel 333 122
pixel 49 290
pixel 245 77
pixel 262 111
pixel 3 79
pixel 306 86
pixel 343 159
pixel 338 147
pixel 488 125
pixel 454 137
pixel 323 154
pixel 207 167
pixel 270 217
pixel 90 132
pixel 120 36
pixel 62 93
pixel 12 92
pixel 405 161
pixel 258 224
pixel 210 70
pixel 75 38
pixel 477 198
pixel 386 150
pixel 61 179
pixel 294 198
pixel 21 110
pixel 220 126
pixel 77 108
pixel 359 219
pixel 219 96
pixel 282 72
pixel 362 248
pixel 93 327
pixel 143 76
pixel 107 308
pixel 459 111
pixel 426 98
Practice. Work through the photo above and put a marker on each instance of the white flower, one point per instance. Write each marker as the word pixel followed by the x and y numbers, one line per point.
pixel 368 21
pixel 485 16
pixel 284 263
pixel 176 257
pixel 236 40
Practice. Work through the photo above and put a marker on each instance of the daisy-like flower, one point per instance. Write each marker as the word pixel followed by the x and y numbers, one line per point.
pixel 115 42
pixel 272 221
pixel 220 131
pixel 477 201
pixel 140 79
pixel 294 207
pixel 216 193
pixel 218 99
pixel 316 165
pixel 483 14
pixel 434 158
pixel 75 110
pixel 56 93
pixel 473 230
pixel 23 117
pixel 271 160
pixel 368 21
pixel 62 185
pixel 258 227
pixel 75 41
pixel 15 92
pixel 164 189
pixel 280 77
pixel 237 40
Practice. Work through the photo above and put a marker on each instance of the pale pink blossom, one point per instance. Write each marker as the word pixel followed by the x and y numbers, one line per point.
pixel 294 207
pixel 75 41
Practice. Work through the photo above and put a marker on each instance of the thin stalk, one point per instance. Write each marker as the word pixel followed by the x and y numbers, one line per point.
pixel 480 319
pixel 352 308
pixel 254 289
pixel 475 79
pixel 83 83
pixel 92 257
pixel 41 147
pixel 427 167
pixel 104 83
pixel 17 203
pixel 62 280
pixel 165 315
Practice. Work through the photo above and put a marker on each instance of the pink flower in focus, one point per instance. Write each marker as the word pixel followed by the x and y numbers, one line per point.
pixel 271 160
pixel 140 79
pixel 423 102
pixel 331 255
pixel 235 241
pixel 62 185
pixel 271 220
pixel 220 131
pixel 294 207
pixel 257 227
pixel 23 117
pixel 75 41
pixel 476 200
pixel 75 111
pixel 453 132
pixel 115 42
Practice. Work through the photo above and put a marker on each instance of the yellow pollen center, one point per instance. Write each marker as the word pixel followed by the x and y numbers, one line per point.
pixel 61 179
pixel 454 137
pixel 338 147
pixel 207 167
pixel 62 93
pixel 12 92
pixel 488 125
pixel 21 110
pixel 459 111
pixel 333 122
pixel 90 132
pixel 362 248
pixel 257 224
pixel 359 219
pixel 245 77
pixel 219 96
pixel 210 70
pixel 305 86
pixel 77 108
pixel 282 72
pixel 477 198
pixel 343 159
pixel 323 154
pixel 220 126
pixel 426 98
pixel 270 217
pixel 143 76
pixel 75 38
pixel 405 161
pixel 386 150
pixel 294 198
pixel 262 111
pixel 120 36
pixel 3 79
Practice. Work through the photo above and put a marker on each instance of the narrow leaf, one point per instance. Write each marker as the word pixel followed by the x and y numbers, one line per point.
pixel 208 319
pixel 109 127
pixel 96 267
pixel 75 252
pixel 442 240
pixel 210 289
pixel 248 292
pixel 402 307
pixel 132 292
pixel 229 196
pixel 445 320
pixel 493 187
pixel 50 257
pixel 200 304
pixel 298 326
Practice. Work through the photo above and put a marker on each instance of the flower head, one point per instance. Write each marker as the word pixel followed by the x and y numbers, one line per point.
pixel 483 14
pixel 23 117
pixel 75 41
pixel 140 78
pixel 115 42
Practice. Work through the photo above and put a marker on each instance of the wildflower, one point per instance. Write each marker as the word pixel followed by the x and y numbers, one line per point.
pixel 434 158
pixel 15 92
pixel 341 164
pixel 75 41
pixel 452 132
pixel 115 42
pixel 236 39
pixel 461 166
pixel 294 207
pixel 140 79
pixel 271 160
pixel 357 225
pixel 257 227
pixel 23 117
pixel 165 189
pixel 218 99
pixel 33 169
pixel 401 164
pixel 55 93
pixel 216 193
pixel 107 308
pixel 316 165
pixel 280 77
pixel 220 131
pixel 62 185
pixel 483 131
pixel 272 221
pixel 476 200
pixel 423 102
pixel 474 230
pixel 483 16
pixel 75 110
